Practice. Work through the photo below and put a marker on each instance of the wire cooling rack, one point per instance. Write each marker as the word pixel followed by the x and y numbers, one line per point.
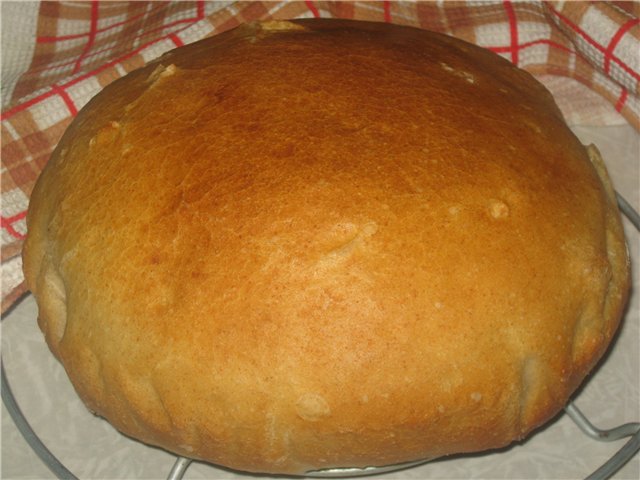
pixel 181 465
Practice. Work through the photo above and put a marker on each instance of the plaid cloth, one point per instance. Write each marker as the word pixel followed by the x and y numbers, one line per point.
pixel 57 55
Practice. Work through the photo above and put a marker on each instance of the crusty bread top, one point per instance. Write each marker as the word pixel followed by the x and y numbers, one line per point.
pixel 309 244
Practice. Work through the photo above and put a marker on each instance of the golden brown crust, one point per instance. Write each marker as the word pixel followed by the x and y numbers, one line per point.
pixel 317 244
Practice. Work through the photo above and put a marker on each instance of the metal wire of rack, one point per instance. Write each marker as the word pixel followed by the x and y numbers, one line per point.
pixel 181 465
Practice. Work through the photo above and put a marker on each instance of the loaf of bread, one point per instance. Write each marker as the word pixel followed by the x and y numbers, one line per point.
pixel 317 244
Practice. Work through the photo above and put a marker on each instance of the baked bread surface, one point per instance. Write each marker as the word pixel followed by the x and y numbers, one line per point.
pixel 312 244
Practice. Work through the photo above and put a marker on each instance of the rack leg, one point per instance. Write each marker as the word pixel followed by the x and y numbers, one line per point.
pixel 622 456
pixel 179 468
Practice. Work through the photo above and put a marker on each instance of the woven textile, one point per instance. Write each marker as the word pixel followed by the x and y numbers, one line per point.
pixel 57 55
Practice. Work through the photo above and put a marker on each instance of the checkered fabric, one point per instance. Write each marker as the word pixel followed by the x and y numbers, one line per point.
pixel 60 54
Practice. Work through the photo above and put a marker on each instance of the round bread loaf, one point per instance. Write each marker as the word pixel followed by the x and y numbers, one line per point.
pixel 313 244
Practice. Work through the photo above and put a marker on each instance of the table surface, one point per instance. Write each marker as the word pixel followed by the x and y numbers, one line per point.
pixel 91 448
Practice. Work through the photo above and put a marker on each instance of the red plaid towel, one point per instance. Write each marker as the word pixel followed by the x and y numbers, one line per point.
pixel 57 55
